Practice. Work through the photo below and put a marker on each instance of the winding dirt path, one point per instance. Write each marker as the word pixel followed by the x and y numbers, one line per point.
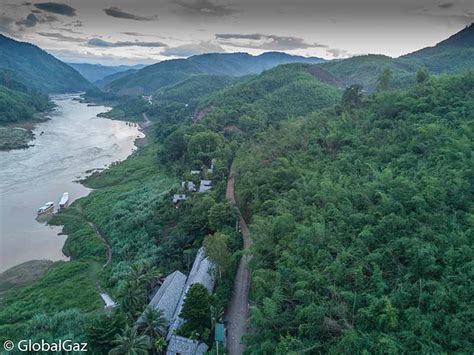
pixel 105 241
pixel 237 313
pixel 147 122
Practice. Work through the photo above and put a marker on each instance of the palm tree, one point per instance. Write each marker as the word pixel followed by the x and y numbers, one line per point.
pixel 130 343
pixel 132 299
pixel 160 345
pixel 152 323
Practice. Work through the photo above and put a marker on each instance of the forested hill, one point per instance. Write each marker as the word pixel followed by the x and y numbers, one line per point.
pixel 277 94
pixel 361 217
pixel 452 55
pixel 17 101
pixel 38 69
pixel 96 72
pixel 170 72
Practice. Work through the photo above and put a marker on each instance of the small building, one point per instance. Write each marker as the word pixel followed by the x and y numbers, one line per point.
pixel 168 295
pixel 205 186
pixel 109 302
pixel 213 164
pixel 188 185
pixel 181 345
pixel 195 172
pixel 178 198
pixel 170 299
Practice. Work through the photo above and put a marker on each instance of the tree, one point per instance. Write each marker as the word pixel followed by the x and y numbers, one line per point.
pixel 160 345
pixel 152 323
pixel 130 343
pixel 101 331
pixel 216 249
pixel 196 311
pixel 352 96
pixel 203 145
pixel 220 215
pixel 422 76
pixel 384 78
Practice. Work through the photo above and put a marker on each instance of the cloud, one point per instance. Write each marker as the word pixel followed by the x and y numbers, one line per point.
pixel 187 50
pixel 33 19
pixel 262 41
pixel 30 21
pixel 446 5
pixel 60 37
pixel 203 7
pixel 56 8
pixel 96 42
pixel 6 25
pixel 336 52
pixel 118 13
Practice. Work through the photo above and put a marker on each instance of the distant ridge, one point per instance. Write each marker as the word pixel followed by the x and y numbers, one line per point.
pixel 452 55
pixel 38 69
pixel 170 72
pixel 96 72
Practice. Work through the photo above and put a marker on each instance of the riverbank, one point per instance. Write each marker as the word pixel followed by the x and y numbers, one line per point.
pixel 22 275
pixel 19 135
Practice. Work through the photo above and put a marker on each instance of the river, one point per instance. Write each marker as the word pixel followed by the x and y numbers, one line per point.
pixel 74 142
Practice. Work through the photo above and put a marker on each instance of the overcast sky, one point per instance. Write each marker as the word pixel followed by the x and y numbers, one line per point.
pixel 147 31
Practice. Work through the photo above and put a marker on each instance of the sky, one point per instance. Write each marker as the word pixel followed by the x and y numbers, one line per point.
pixel 113 32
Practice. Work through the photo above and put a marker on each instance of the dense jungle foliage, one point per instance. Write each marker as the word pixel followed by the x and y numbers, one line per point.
pixel 18 102
pixel 359 204
pixel 39 69
pixel 362 222
pixel 131 208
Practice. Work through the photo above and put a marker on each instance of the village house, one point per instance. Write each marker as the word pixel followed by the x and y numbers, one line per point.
pixel 178 198
pixel 170 300
pixel 205 186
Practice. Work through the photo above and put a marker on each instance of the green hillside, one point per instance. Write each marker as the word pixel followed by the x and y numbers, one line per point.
pixel 96 72
pixel 361 221
pixel 171 104
pixel 109 78
pixel 170 72
pixel 285 91
pixel 153 77
pixel 365 70
pixel 453 55
pixel 38 69
pixel 17 102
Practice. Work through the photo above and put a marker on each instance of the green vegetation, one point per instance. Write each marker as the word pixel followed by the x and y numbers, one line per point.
pixel 359 206
pixel 361 223
pixel 18 105
pixel 18 102
pixel 197 313
pixel 14 138
pixel 453 55
pixel 171 72
pixel 38 69
pixel 277 94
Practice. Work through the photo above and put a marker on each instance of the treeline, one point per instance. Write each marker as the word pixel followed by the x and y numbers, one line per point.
pixel 18 102
pixel 361 221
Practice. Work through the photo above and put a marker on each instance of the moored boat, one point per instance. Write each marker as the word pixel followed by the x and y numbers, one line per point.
pixel 47 208
pixel 63 203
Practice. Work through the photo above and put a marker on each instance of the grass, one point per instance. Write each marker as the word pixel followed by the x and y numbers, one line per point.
pixel 15 138
pixel 123 198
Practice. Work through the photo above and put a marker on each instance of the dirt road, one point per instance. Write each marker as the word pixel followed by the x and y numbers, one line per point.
pixel 238 311
pixel 105 241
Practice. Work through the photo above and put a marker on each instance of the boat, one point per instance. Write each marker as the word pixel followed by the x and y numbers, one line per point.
pixel 47 208
pixel 63 203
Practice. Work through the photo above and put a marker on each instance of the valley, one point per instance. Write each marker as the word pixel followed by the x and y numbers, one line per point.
pixel 333 200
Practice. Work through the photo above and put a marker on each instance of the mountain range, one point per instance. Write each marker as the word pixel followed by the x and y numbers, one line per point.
pixel 170 72
pixel 38 69
pixel 97 72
